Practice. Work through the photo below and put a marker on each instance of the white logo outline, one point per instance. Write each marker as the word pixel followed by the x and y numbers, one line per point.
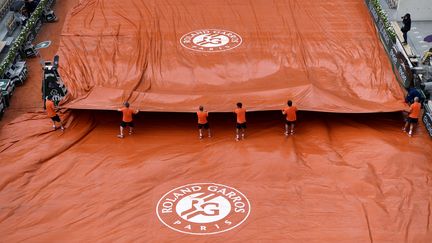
pixel 209 33
pixel 203 183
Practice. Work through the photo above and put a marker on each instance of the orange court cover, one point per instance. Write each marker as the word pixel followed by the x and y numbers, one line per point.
pixel 170 55
pixel 341 178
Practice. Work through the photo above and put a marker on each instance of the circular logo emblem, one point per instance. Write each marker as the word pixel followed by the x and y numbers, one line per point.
pixel 203 208
pixel 210 40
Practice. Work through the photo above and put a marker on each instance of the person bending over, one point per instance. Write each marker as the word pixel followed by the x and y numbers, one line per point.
pixel 426 59
pixel 127 119
pixel 413 116
pixel 50 109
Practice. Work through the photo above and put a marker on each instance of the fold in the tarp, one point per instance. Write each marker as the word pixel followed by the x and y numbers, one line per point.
pixel 325 55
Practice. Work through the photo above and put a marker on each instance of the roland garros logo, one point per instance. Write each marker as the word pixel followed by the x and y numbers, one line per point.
pixel 203 208
pixel 210 40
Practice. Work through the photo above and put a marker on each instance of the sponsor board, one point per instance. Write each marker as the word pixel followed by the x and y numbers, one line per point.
pixel 389 45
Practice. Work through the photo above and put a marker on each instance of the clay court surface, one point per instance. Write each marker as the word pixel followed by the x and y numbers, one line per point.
pixel 349 176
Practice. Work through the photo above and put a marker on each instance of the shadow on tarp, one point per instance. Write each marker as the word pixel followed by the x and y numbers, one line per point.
pixel 255 119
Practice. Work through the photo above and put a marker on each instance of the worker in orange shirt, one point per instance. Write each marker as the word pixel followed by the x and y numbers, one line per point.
pixel 241 121
pixel 202 122
pixel 413 116
pixel 50 109
pixel 291 116
pixel 127 119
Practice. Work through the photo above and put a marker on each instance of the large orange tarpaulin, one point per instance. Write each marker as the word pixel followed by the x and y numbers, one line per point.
pixel 326 55
pixel 340 178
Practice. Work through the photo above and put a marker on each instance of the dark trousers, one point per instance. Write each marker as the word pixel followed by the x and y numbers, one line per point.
pixel 405 36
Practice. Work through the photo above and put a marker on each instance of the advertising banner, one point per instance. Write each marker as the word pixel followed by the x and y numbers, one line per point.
pixel 400 68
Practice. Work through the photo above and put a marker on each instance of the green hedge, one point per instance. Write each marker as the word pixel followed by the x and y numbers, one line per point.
pixel 383 16
pixel 31 22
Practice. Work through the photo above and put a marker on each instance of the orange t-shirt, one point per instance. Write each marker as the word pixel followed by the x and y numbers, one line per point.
pixel 127 114
pixel 290 113
pixel 50 108
pixel 202 117
pixel 241 115
pixel 415 109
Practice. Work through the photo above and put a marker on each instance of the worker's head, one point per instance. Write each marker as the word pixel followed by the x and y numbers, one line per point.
pixel 239 105
pixel 430 49
pixel 416 99
pixel 201 108
pixel 126 104
pixel 289 103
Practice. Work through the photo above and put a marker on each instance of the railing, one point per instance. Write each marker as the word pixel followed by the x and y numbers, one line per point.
pixel 4 7
pixel 388 36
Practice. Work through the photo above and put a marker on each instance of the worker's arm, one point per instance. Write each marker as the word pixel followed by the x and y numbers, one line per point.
pixel 409 109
